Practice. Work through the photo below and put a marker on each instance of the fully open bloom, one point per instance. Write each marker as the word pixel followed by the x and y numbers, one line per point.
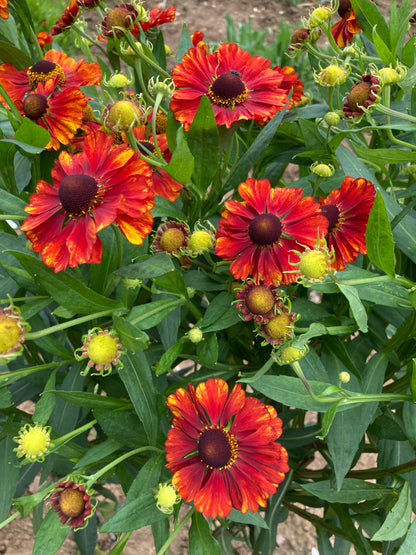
pixel 347 211
pixel 258 233
pixel 239 86
pixel 153 18
pixel 72 502
pixel 4 12
pixel 222 448
pixel 17 83
pixel 104 183
pixel 344 30
pixel 59 112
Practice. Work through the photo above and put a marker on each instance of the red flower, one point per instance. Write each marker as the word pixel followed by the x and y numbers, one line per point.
pixel 17 83
pixel 154 18
pixel 4 12
pixel 104 183
pixel 162 183
pixel 347 211
pixel 197 39
pixel 44 38
pixel 239 86
pixel 344 30
pixel 59 112
pixel 258 233
pixel 72 503
pixel 66 19
pixel 291 82
pixel 222 448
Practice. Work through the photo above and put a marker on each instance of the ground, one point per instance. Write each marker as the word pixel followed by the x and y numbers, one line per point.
pixel 296 536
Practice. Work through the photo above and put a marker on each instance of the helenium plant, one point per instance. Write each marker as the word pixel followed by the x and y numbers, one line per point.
pixel 207 276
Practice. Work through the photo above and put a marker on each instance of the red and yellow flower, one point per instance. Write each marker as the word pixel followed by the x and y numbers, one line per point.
pixel 72 503
pixel 17 83
pixel 239 86
pixel 67 18
pixel 154 18
pixel 4 12
pixel 222 448
pixel 347 210
pixel 44 38
pixel 344 30
pixel 59 112
pixel 104 183
pixel 258 233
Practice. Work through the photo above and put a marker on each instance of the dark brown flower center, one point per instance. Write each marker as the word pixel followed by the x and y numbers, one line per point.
pixel 76 193
pixel 35 106
pixel 216 448
pixel 260 299
pixel 265 229
pixel 227 89
pixel 71 502
pixel 44 70
pixel 144 146
pixel 331 213
pixel 344 8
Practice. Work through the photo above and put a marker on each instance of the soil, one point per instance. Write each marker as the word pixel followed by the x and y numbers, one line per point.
pixel 295 536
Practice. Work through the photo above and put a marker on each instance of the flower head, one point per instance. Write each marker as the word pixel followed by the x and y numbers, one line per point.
pixel 171 237
pixel 361 96
pixel 102 349
pixel 67 18
pixel 347 211
pixel 195 335
pixel 12 333
pixel 201 240
pixel 258 301
pixel 332 75
pixel 44 38
pixel 279 329
pixel 288 354
pixel 166 497
pixel 72 503
pixel 4 12
pixel 318 16
pixel 313 265
pixel 123 115
pixel 104 183
pixel 258 233
pixel 33 442
pixel 222 448
pixel 344 30
pixel 119 20
pixel 239 86
pixel 155 17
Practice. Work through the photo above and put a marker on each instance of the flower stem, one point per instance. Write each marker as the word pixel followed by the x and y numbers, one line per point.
pixel 9 519
pixel 67 437
pixel 167 543
pixel 75 322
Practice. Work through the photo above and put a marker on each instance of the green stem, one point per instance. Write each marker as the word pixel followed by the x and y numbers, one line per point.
pixel 173 303
pixel 9 519
pixel 75 322
pixel 12 217
pixel 67 437
pixel 95 477
pixel 364 281
pixel 175 532
pixel 159 98
pixel 389 111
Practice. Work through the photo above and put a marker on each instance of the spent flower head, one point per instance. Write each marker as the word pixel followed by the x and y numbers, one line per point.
pixel 12 333
pixel 33 442
pixel 102 349
pixel 171 237
pixel 258 302
pixel 71 500
pixel 166 87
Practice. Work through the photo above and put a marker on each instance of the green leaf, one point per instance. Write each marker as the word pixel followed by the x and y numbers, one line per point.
pixel 91 400
pixel 140 512
pixel 357 308
pixel 13 55
pixel 204 142
pixel 65 289
pixel 398 519
pixel 148 315
pixel 5 398
pixel 31 134
pixel 408 546
pixel 328 419
pixel 137 379
pixel 207 350
pixel 147 478
pixel 131 337
pixel 46 404
pixel 51 535
pixel 173 282
pixel 86 538
pixel 181 165
pixel 382 49
pixel 98 452
pixel 379 238
pixel 9 475
pixel 368 17
pixel 168 358
pixel 250 518
pixel 352 491
pixel 254 152
pixel 149 267
pixel 10 204
pixel 165 208
pixel 220 314
pixel 201 541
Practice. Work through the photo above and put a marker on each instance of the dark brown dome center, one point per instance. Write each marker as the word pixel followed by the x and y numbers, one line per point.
pixel 76 193
pixel 331 213
pixel 228 86
pixel 35 106
pixel 214 448
pixel 265 229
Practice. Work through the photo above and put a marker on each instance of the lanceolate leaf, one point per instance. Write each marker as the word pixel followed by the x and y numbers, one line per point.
pixel 379 239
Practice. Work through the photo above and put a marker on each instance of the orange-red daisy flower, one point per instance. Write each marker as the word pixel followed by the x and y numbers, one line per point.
pixel 4 12
pixel 67 18
pixel 59 112
pixel 104 183
pixel 163 184
pixel 344 30
pixel 44 38
pixel 258 233
pixel 72 73
pixel 222 448
pixel 154 18
pixel 347 211
pixel 239 86
pixel 291 82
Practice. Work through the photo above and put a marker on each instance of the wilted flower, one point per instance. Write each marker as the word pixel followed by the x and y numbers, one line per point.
pixel 119 20
pixel 72 503
pixel 362 95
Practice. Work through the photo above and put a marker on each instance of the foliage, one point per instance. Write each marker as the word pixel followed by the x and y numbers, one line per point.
pixel 100 348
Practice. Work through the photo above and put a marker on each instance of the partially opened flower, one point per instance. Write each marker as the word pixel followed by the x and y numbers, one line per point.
pixel 258 233
pixel 33 442
pixel 347 211
pixel 239 86
pixel 222 448
pixel 291 84
pixel 4 12
pixel 44 38
pixel 72 503
pixel 155 17
pixel 67 18
pixel 12 333
pixel 103 184
pixel 59 112
pixel 344 30
pixel 17 83
pixel 102 349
